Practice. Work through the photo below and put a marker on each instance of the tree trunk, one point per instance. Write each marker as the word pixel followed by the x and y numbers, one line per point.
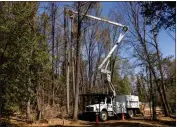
pixel 53 55
pixel 39 103
pixel 96 67
pixel 67 80
pixel 57 60
pixel 90 73
pixel 28 111
pixel 153 98
pixel 72 59
pixel 67 59
pixel 160 92
pixel 29 85
pixel 66 42
pixel 1 86
pixel 73 76
pixel 77 65
pixel 82 76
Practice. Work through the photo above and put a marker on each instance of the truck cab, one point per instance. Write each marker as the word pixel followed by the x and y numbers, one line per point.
pixel 99 104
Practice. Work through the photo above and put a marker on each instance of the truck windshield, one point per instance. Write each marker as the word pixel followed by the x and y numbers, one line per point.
pixel 97 100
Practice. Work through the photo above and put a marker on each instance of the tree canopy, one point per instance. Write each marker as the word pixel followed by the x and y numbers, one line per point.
pixel 162 12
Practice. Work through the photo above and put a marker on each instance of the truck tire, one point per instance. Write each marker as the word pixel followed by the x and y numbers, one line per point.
pixel 130 114
pixel 103 116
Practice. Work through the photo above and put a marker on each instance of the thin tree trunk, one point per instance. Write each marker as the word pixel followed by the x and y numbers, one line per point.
pixel 67 80
pixel 53 56
pixel 57 54
pixel 66 42
pixel 39 102
pixel 72 59
pixel 160 92
pixel 82 75
pixel 1 86
pixel 153 98
pixel 28 112
pixel 90 72
pixel 73 73
pixel 43 85
pixel 43 98
pixel 96 67
pixel 67 59
pixel 77 65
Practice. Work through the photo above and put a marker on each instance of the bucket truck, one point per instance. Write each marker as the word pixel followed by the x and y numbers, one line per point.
pixel 110 105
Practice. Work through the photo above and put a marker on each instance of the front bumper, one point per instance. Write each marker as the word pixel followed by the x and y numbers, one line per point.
pixel 90 115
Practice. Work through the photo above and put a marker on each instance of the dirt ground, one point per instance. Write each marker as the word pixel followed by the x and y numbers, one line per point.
pixel 138 121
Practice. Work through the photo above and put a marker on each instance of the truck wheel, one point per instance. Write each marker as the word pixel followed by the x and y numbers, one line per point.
pixel 130 113
pixel 103 116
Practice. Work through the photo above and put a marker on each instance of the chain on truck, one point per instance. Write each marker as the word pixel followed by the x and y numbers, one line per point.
pixel 110 105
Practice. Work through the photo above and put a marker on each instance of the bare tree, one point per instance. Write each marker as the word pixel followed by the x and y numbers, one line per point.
pixel 78 37
pixel 53 56
pixel 138 30
pixel 159 66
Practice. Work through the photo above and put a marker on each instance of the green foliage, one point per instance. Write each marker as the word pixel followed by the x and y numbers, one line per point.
pixel 169 67
pixel 125 86
pixel 23 58
pixel 140 89
pixel 122 85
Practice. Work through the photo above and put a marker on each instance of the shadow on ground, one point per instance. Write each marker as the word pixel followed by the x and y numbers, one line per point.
pixel 115 124
pixel 163 122
pixel 130 123
pixel 6 124
pixel 112 122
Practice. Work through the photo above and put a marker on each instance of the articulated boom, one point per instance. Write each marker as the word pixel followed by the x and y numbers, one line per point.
pixel 106 61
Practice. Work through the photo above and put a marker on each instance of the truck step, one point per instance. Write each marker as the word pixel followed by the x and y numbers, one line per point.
pixel 110 114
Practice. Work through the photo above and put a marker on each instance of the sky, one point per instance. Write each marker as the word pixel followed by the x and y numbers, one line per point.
pixel 166 43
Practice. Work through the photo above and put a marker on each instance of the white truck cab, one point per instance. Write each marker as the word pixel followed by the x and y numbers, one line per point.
pixel 97 106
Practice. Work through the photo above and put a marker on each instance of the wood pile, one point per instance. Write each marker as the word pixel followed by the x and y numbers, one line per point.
pixel 147 111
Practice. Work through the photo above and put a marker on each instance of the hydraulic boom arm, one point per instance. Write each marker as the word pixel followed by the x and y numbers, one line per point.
pixel 104 65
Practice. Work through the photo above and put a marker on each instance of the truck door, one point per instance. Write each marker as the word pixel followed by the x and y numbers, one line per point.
pixel 109 104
